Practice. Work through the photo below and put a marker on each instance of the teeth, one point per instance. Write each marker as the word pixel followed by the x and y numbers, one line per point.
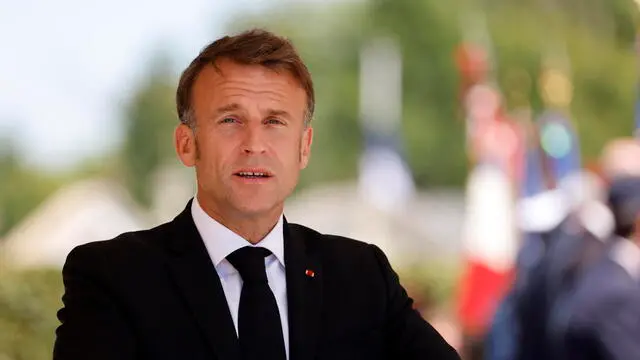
pixel 249 173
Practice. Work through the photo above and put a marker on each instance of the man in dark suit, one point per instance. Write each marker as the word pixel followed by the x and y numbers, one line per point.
pixel 603 313
pixel 229 277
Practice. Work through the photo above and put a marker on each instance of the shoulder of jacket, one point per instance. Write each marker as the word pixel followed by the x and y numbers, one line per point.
pixel 319 239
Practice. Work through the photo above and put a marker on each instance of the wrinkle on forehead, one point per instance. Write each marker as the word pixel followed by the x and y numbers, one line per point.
pixel 249 75
pixel 234 83
pixel 243 88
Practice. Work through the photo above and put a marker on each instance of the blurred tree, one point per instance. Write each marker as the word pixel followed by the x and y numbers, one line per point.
pixel 28 304
pixel 23 188
pixel 149 122
pixel 8 164
pixel 428 32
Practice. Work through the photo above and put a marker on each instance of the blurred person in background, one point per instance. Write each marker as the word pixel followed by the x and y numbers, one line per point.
pixel 603 313
pixel 229 277
pixel 565 226
pixel 621 158
pixel 569 251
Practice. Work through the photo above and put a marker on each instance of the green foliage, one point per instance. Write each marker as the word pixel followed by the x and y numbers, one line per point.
pixel 22 189
pixel 434 133
pixel 434 280
pixel 149 121
pixel 28 304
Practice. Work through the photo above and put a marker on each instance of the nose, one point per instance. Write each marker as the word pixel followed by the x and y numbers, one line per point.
pixel 254 142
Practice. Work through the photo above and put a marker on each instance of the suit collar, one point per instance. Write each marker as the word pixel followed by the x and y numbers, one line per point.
pixel 304 290
pixel 196 279
pixel 221 241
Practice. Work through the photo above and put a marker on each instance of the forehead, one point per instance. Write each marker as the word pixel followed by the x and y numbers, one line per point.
pixel 229 81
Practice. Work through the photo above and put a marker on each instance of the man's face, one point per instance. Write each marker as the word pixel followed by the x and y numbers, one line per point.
pixel 250 140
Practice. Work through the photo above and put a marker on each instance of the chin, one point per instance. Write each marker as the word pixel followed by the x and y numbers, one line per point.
pixel 255 209
pixel 254 213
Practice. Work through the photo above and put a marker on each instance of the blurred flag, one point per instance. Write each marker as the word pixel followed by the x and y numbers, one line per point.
pixel 385 179
pixel 495 146
pixel 533 181
pixel 490 246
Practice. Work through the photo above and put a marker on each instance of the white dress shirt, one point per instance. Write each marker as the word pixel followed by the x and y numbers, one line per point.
pixel 220 242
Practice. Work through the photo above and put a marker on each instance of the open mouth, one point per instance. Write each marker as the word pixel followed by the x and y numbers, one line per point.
pixel 253 174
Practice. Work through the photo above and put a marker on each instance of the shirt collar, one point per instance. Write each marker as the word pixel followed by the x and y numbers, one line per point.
pixel 627 254
pixel 220 241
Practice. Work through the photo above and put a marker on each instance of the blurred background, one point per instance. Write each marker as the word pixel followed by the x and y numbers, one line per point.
pixel 420 104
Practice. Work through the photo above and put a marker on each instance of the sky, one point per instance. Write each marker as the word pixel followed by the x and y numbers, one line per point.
pixel 68 66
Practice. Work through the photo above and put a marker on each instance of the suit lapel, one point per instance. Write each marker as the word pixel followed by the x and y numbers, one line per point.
pixel 304 292
pixel 196 278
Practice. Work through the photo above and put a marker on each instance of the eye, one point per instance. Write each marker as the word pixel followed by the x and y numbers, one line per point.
pixel 228 120
pixel 275 121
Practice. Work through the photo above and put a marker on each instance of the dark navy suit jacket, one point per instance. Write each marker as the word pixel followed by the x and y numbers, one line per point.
pixel 604 312
pixel 155 294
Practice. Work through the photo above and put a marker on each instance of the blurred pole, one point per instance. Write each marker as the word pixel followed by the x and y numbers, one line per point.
pixel 385 178
pixel 385 182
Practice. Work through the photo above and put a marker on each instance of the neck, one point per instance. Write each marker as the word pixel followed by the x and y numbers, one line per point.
pixel 252 228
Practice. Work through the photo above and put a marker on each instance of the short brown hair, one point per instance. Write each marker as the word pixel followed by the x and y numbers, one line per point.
pixel 253 47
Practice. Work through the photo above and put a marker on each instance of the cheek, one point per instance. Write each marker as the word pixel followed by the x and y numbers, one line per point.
pixel 215 155
pixel 283 157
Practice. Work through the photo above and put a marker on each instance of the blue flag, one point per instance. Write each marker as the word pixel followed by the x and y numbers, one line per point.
pixel 532 179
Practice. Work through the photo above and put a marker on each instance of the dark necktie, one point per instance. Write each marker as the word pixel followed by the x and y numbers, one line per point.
pixel 259 326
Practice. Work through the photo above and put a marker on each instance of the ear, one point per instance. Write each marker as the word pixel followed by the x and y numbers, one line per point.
pixel 185 143
pixel 305 147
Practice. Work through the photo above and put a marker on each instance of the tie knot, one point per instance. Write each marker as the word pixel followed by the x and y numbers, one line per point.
pixel 249 261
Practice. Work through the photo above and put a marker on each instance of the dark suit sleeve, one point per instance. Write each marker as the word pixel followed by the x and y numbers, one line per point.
pixel 408 335
pixel 92 325
pixel 618 328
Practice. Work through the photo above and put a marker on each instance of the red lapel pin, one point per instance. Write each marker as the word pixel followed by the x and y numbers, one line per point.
pixel 310 273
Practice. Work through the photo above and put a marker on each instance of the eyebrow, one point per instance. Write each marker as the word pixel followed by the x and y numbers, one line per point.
pixel 278 113
pixel 226 108
pixel 235 106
